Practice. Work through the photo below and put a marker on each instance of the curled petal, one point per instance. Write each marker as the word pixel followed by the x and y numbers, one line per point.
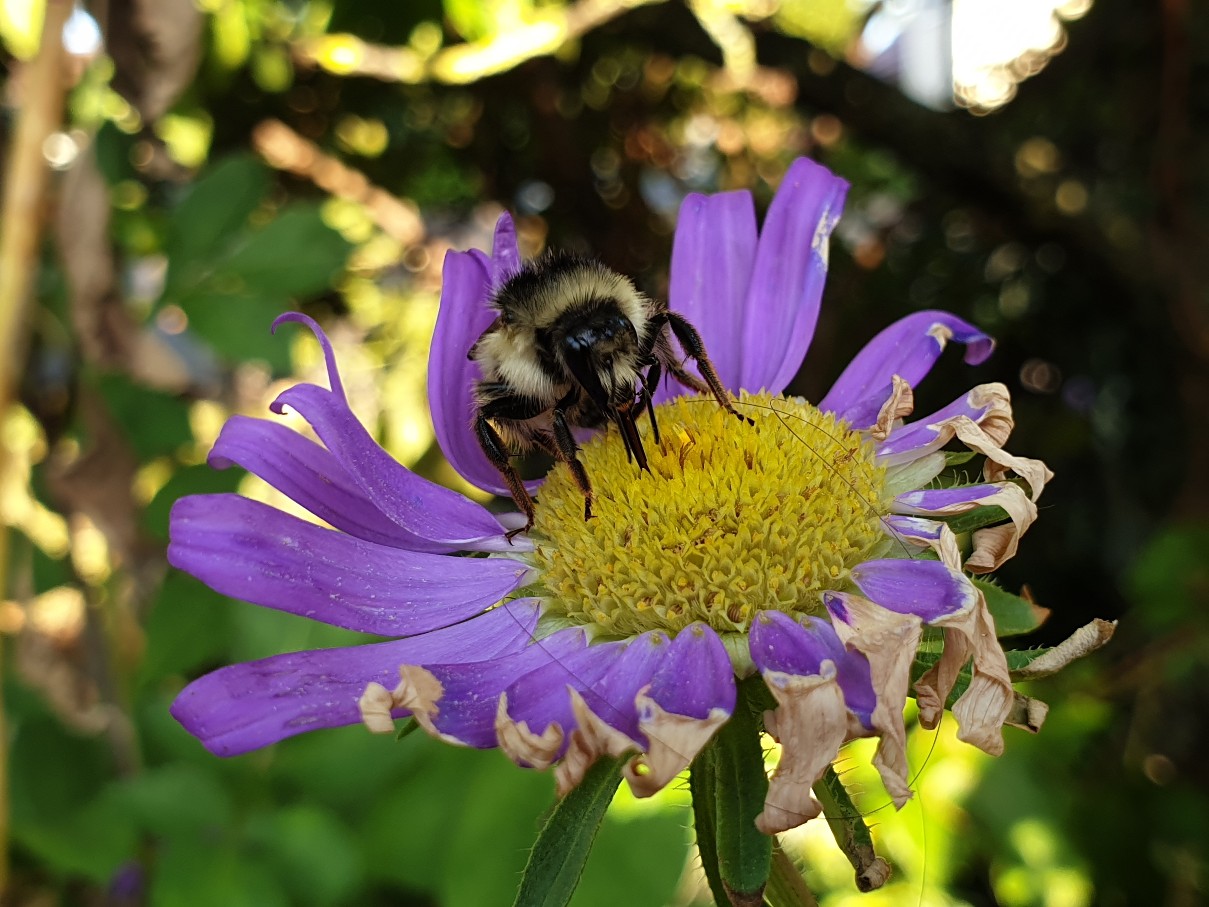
pixel 458 703
pixel 787 279
pixel 606 713
pixel 899 405
pixel 257 553
pixel 785 645
pixel 329 355
pixel 246 706
pixel 592 738
pixel 923 533
pixel 523 746
pixel 712 258
pixel 999 461
pixel 988 405
pixel 310 476
pixel 908 348
pixel 811 723
pixel 889 642
pixel 985 705
pixel 539 701
pixel 689 697
pixel 419 506
pixel 992 546
pixel 1087 639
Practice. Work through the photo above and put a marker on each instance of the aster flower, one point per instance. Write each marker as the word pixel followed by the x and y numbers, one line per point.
pixel 809 549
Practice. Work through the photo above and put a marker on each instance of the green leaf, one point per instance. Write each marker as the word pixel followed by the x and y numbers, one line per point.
pixel 561 851
pixel 64 809
pixel 313 852
pixel 1014 615
pixel 186 630
pixel 202 872
pixel 958 457
pixel 178 799
pixel 236 326
pixel 214 212
pixel 739 784
pixel 199 479
pixel 294 254
pixel 641 853
pixel 154 423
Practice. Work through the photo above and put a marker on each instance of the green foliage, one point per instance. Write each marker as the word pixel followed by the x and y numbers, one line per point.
pixel 561 850
pixel 729 788
pixel 232 277
pixel 617 128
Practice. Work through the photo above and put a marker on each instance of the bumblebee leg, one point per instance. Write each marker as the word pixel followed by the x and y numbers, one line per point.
pixel 691 341
pixel 627 422
pixel 565 449
pixel 493 446
pixel 649 385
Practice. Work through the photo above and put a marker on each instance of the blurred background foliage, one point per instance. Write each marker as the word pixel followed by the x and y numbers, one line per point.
pixel 204 167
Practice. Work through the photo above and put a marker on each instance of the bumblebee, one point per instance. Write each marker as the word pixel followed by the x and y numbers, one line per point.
pixel 576 345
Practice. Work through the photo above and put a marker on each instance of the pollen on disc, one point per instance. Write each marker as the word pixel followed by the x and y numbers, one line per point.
pixel 732 518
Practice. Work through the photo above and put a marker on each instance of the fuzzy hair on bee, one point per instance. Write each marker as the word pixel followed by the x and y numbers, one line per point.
pixel 575 345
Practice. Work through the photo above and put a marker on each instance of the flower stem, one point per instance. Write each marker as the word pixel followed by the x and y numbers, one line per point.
pixel 850 831
pixel 729 787
pixel 786 887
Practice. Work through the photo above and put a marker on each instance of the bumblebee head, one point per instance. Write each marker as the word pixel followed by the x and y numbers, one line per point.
pixel 597 344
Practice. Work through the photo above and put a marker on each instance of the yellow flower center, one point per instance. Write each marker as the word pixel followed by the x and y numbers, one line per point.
pixel 732 519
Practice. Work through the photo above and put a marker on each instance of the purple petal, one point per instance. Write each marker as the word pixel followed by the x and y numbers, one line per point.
pixel 915 439
pixel 461 320
pixel 908 348
pixel 608 676
pixel 944 500
pixel 242 707
pixel 329 355
pixel 505 256
pixel 466 710
pixel 790 269
pixel 310 476
pixel 925 588
pixel 254 552
pixel 695 676
pixel 712 258
pixel 782 644
pixel 419 506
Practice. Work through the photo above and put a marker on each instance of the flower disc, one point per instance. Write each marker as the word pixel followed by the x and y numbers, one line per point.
pixel 732 518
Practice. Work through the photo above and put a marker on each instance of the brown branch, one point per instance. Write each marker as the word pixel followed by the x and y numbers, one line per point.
pixel 21 221
pixel 459 64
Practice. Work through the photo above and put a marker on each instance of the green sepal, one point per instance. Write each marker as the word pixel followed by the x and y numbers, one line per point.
pixel 851 833
pixel 958 457
pixel 730 777
pixel 561 851
pixel 978 518
pixel 409 727
pixel 1013 614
